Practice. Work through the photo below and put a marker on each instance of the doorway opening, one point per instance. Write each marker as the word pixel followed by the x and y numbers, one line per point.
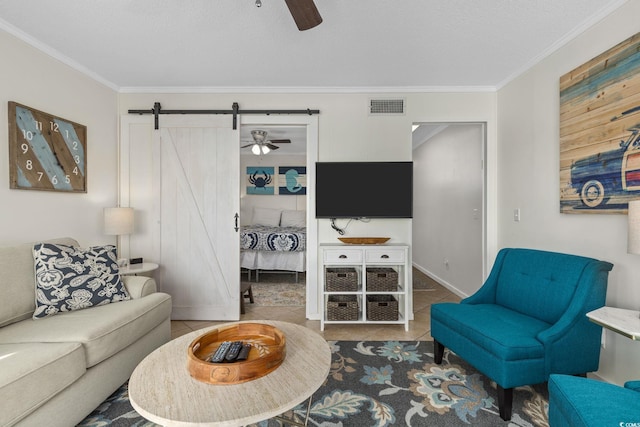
pixel 449 224
pixel 278 234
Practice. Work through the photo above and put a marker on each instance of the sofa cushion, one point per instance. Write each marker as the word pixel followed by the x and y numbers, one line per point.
pixel 505 333
pixel 17 290
pixel 531 279
pixel 70 278
pixel 103 331
pixel 30 374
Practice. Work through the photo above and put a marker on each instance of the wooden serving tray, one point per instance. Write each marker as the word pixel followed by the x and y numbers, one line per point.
pixel 363 240
pixel 268 350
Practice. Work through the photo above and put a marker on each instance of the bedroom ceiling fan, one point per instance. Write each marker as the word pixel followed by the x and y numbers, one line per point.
pixel 261 145
pixel 304 13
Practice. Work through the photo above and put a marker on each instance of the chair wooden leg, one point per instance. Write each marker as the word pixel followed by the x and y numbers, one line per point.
pixel 438 352
pixel 505 402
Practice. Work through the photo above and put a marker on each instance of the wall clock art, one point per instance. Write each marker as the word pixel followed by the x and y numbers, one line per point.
pixel 46 152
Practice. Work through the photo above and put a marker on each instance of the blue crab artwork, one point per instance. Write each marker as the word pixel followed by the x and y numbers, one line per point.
pixel 260 180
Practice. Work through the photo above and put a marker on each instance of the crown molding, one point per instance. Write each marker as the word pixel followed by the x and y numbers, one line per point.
pixel 48 50
pixel 310 89
pixel 571 35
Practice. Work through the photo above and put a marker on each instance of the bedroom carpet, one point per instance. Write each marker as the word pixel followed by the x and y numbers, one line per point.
pixel 386 383
pixel 278 290
pixel 278 294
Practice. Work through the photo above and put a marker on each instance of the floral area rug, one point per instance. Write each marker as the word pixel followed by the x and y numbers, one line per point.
pixel 390 383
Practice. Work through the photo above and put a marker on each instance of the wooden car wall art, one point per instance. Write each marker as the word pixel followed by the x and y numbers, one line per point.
pixel 46 152
pixel 600 132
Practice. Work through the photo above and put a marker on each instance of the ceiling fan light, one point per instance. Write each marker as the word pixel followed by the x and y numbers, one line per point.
pixel 255 149
pixel 259 136
pixel 265 149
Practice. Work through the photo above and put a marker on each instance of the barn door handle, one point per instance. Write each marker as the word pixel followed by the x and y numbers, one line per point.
pixel 236 216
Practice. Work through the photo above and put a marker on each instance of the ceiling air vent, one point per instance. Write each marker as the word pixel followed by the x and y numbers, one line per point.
pixel 378 107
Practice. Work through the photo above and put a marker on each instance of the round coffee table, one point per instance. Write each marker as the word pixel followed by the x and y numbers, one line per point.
pixel 162 391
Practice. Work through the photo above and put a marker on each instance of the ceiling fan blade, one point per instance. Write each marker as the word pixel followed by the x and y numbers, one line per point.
pixel 248 145
pixel 304 13
pixel 271 146
pixel 280 141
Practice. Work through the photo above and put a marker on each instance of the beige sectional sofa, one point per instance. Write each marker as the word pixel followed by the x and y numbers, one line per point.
pixel 54 371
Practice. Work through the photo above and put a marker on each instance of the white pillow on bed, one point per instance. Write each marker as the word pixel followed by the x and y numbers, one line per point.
pixel 293 219
pixel 266 216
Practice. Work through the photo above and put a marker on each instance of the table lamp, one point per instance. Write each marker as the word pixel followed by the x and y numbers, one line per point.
pixel 118 222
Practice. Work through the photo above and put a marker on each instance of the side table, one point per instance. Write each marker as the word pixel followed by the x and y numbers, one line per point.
pixel 145 267
pixel 622 321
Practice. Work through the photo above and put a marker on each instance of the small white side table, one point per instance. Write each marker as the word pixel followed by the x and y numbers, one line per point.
pixel 622 321
pixel 145 267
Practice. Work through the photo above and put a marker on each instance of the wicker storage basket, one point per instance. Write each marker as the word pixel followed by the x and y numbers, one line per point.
pixel 341 279
pixel 342 307
pixel 382 279
pixel 382 307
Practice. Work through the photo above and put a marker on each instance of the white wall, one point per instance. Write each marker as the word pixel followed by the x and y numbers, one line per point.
pixel 528 166
pixel 36 80
pixel 249 201
pixel 447 207
pixel 347 132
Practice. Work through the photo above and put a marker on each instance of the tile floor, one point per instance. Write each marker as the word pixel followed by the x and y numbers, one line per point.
pixel 419 328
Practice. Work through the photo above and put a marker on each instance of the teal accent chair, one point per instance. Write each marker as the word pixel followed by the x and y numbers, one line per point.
pixel 527 321
pixel 584 402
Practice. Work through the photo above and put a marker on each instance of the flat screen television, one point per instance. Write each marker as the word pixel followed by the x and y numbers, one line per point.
pixel 364 190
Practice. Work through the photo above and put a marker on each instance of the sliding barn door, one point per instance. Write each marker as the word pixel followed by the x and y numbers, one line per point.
pixel 192 210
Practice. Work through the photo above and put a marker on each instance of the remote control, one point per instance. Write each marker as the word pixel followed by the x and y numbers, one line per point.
pixel 244 352
pixel 235 348
pixel 220 353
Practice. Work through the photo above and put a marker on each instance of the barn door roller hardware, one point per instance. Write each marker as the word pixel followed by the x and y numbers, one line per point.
pixel 235 110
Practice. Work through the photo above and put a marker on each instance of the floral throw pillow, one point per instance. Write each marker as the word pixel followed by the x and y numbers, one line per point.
pixel 70 278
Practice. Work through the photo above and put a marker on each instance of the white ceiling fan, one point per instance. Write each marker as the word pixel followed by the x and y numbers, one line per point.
pixel 261 145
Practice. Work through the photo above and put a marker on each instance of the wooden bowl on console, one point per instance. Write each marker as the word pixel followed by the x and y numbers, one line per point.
pixel 363 240
pixel 268 350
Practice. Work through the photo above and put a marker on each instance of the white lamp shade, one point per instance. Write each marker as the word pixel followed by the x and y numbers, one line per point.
pixel 118 221
pixel 633 232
